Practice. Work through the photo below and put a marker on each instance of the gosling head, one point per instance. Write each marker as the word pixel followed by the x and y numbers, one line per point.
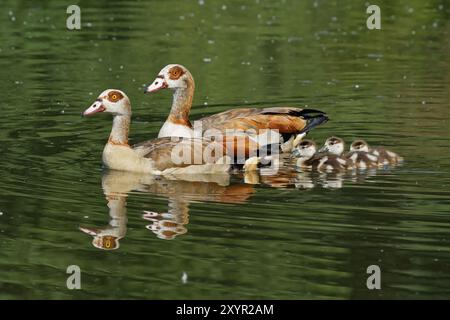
pixel 359 145
pixel 113 101
pixel 305 149
pixel 172 76
pixel 333 145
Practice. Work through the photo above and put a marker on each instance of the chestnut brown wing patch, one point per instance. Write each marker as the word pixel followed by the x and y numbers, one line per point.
pixel 284 119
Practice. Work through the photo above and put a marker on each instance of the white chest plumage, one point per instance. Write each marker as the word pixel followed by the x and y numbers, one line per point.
pixel 170 129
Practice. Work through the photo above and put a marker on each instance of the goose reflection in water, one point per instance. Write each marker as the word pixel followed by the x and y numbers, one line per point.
pixel 180 193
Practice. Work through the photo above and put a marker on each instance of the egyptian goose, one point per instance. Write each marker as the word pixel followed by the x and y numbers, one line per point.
pixel 308 158
pixel 160 156
pixel 289 122
pixel 360 159
pixel 384 157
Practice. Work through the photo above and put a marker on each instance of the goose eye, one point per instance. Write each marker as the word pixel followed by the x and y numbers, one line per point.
pixel 114 96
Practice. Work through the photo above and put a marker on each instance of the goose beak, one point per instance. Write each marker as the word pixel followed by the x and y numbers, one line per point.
pixel 89 231
pixel 157 85
pixel 96 107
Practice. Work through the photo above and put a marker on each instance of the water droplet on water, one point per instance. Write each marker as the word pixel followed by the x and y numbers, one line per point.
pixel 184 277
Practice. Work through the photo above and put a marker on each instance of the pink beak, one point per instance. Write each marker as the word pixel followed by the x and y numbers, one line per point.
pixel 96 107
pixel 157 85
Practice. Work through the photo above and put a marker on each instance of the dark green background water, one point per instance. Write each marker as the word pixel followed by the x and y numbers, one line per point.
pixel 292 236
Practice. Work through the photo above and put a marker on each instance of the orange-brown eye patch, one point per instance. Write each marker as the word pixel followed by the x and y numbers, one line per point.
pixel 114 96
pixel 175 73
pixel 109 242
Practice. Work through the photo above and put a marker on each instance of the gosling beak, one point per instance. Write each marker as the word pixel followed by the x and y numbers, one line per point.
pixel 323 149
pixel 157 85
pixel 96 107
pixel 295 153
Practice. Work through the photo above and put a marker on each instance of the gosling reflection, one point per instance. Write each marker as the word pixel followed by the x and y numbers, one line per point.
pixel 307 179
pixel 117 185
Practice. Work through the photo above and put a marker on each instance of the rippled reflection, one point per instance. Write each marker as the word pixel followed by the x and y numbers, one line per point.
pixel 180 193
pixel 167 225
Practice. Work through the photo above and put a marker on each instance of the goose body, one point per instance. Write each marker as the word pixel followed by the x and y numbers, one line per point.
pixel 308 158
pixel 288 122
pixel 158 156
pixel 384 157
pixel 355 158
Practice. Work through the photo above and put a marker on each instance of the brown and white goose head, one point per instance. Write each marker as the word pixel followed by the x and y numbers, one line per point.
pixel 118 104
pixel 333 145
pixel 180 80
pixel 172 76
pixel 305 150
pixel 113 101
pixel 359 145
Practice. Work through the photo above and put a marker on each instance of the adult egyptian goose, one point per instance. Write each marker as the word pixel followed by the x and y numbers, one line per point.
pixel 308 158
pixel 289 122
pixel 162 156
pixel 360 159
pixel 384 157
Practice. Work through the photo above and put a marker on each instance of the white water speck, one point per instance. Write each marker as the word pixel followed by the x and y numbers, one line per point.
pixel 201 2
pixel 424 102
pixel 121 67
pixel 356 86
pixel 184 277
pixel 224 7
pixel 211 41
pixel 206 60
pixel 86 217
pixel 1 213
pixel 205 103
